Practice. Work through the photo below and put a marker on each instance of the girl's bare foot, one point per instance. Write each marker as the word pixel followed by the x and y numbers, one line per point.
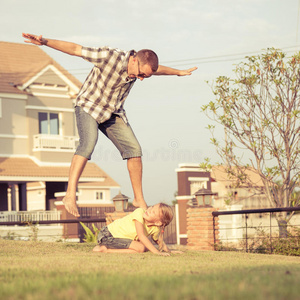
pixel 70 205
pixel 99 248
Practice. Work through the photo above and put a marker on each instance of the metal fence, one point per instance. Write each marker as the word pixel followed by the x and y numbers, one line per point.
pixel 255 230
pixel 42 225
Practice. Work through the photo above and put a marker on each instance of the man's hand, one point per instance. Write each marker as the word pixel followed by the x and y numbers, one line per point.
pixel 66 47
pixel 163 70
pixel 187 72
pixel 34 39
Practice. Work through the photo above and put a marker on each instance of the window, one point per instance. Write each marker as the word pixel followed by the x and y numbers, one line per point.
pixel 48 123
pixel 99 195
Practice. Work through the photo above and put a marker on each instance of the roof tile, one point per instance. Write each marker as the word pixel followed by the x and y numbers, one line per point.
pixel 20 62
pixel 26 167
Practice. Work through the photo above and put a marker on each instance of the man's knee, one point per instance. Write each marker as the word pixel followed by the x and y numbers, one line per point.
pixel 135 159
pixel 85 149
pixel 134 164
pixel 131 153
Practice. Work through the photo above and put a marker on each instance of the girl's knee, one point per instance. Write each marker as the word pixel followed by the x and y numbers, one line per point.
pixel 137 246
pixel 142 249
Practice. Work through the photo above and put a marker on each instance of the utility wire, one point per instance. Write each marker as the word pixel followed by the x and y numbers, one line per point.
pixel 181 62
pixel 209 59
pixel 216 57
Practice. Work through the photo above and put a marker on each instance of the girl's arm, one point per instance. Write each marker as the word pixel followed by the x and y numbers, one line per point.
pixel 163 246
pixel 145 241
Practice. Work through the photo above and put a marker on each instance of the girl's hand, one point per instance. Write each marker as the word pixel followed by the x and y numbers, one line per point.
pixel 177 252
pixel 163 253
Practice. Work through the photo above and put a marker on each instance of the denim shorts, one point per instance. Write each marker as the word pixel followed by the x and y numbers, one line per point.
pixel 115 129
pixel 106 239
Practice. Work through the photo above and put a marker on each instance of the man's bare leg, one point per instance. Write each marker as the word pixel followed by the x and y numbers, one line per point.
pixel 135 169
pixel 76 169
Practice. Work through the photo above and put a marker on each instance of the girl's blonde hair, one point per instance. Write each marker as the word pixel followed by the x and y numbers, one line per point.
pixel 166 214
pixel 166 218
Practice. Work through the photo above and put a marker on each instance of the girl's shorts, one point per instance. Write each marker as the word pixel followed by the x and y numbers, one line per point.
pixel 106 239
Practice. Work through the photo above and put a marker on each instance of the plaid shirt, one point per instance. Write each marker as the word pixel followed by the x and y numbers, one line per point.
pixel 107 86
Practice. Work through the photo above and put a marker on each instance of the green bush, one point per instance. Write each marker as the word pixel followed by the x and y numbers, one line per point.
pixel 90 236
pixel 262 243
pixel 276 245
pixel 10 236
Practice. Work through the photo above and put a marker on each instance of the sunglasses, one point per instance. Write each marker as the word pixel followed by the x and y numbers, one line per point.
pixel 140 74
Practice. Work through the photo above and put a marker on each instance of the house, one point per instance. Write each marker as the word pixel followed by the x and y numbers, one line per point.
pixel 38 134
pixel 227 195
pixel 191 178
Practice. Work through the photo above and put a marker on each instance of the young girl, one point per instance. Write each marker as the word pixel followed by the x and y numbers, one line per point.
pixel 130 233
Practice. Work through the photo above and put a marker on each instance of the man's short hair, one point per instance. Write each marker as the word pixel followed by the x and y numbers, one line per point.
pixel 148 57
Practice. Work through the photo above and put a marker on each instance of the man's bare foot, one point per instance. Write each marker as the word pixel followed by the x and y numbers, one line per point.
pixel 71 206
pixel 99 248
pixel 140 203
pixel 135 203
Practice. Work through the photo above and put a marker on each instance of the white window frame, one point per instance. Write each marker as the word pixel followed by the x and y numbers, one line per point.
pixel 101 194
pixel 48 121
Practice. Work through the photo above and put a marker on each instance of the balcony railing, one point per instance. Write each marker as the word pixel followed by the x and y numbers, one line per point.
pixel 27 216
pixel 54 142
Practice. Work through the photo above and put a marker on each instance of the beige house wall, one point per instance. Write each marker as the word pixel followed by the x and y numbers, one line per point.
pixel 90 195
pixel 13 126
pixel 50 77
pixel 36 199
pixel 13 145
pixel 65 109
pixel 18 125
pixel 50 99
pixel 54 157
pixel 13 119
pixel 244 197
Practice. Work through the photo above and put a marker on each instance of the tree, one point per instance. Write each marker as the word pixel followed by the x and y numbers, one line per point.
pixel 259 111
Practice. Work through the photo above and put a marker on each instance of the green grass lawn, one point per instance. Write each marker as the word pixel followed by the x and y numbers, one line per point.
pixel 37 270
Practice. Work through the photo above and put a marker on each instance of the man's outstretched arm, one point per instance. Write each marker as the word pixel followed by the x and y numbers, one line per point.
pixel 66 47
pixel 163 70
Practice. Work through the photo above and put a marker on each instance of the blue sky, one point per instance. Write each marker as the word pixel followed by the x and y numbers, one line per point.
pixel 165 112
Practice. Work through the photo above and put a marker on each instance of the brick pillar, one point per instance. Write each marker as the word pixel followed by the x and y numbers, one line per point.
pixel 200 229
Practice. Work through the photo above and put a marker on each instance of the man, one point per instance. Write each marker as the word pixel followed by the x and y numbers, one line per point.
pixel 99 105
